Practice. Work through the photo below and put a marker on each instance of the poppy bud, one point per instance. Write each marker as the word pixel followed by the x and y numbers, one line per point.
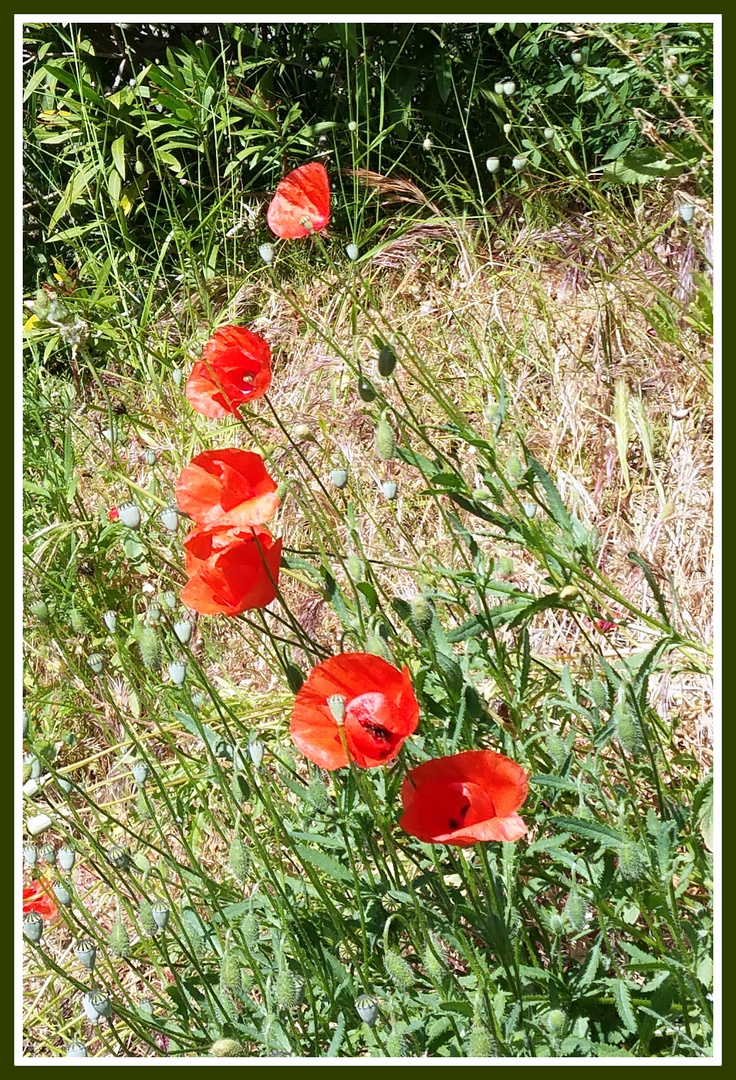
pixel 169 519
pixel 556 1021
pixel 62 894
pixel 33 926
pixel 130 515
pixel 255 749
pixel 507 129
pixel 481 1043
pixel 119 940
pixel 422 613
pixel 177 672
pixel 95 662
pixel 145 917
pixel 286 991
pixel 230 970
pixel 597 693
pixel 492 164
pixel 386 361
pixel 395 1045
pixel 86 953
pixel 630 862
pixel 376 646
pixel 266 253
pixel 150 648
pixel 397 969
pixel 160 915
pixel 352 251
pixel 40 611
pixel 519 163
pixel 111 621
pixel 30 854
pixel 76 1049
pixel 628 731
pixel 226 1048
pixel 367 1009
pixel 352 126
pixel 67 857
pixel 304 433
pixel 26 723
pixel 366 391
pixel 575 910
pixel 433 966
pixel 339 478
pixel 687 212
pixel 385 440
pixel 569 592
pixel 239 860
pixel 149 456
pixel 389 489
pixel 355 567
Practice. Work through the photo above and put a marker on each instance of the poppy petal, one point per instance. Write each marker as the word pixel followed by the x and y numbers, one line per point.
pixel 227 487
pixel 302 195
pixel 230 569
pixel 235 367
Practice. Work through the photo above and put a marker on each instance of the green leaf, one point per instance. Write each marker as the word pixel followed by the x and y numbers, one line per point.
pixel 622 1001
pixel 443 73
pixel 327 865
pixel 591 829
pixel 642 166
pixel 118 155
pixel 635 558
pixel 336 1040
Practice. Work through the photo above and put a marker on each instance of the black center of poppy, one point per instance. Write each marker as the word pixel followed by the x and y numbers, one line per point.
pixel 453 822
pixel 376 731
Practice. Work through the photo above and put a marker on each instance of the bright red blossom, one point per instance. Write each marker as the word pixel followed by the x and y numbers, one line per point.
pixel 227 487
pixel 302 196
pixel 113 513
pixel 231 569
pixel 464 799
pixel 35 898
pixel 235 368
pixel 381 711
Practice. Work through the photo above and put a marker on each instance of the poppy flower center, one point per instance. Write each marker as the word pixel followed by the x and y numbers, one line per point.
pixel 369 725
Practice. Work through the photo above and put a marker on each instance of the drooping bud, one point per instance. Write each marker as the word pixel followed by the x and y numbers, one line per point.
pixel 385 440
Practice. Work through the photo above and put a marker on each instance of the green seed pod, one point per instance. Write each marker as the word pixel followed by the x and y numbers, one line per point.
pixel 30 854
pixel 687 213
pixel 575 910
pixel 177 375
pixel 549 134
pixel 481 1043
pixel 169 518
pixel 31 767
pixel 150 648
pixel 33 926
pixel 160 914
pixel 96 663
pixel 630 862
pixel 294 678
pixel 515 468
pixel 149 456
pixel 145 917
pixel 76 1049
pixel 385 440
pixel 62 894
pixel 168 599
pixel 153 615
pixel 576 57
pixel 493 164
pixel 386 361
pixel 129 514
pixel 352 251
pixel 140 772
pixel 367 1009
pixel 239 860
pixel 40 611
pixel 530 509
pixel 86 953
pixel 628 731
pixel 597 693
pixel 26 723
pixel 682 79
pixel 519 163
pixel 119 940
pixel 569 592
pixel 183 630
pixel 505 566
pixel 100 1004
pixel 339 478
pixel 117 856
pixel 255 750
pixel 422 613
pixel 64 784
pixel 395 1045
pixel 47 854
pixel 230 970
pixel 397 969
pixel 266 252
pixel 111 621
pixel 76 620
pixel 556 749
pixel 366 391
pixel 388 487
pixel 177 672
pixel 228 1047
pixel 509 88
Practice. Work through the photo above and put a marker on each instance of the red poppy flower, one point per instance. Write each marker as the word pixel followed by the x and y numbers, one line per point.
pixel 235 368
pixel 231 569
pixel 36 899
pixel 381 711
pixel 604 625
pixel 227 487
pixel 301 202
pixel 113 513
pixel 464 798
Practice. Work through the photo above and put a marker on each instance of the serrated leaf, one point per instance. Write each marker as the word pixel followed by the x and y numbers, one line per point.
pixel 622 1001
pixel 591 966
pixel 592 830
pixel 641 167
pixel 635 558
pixel 557 508
pixel 705 818
pixel 336 1039
pixel 324 863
